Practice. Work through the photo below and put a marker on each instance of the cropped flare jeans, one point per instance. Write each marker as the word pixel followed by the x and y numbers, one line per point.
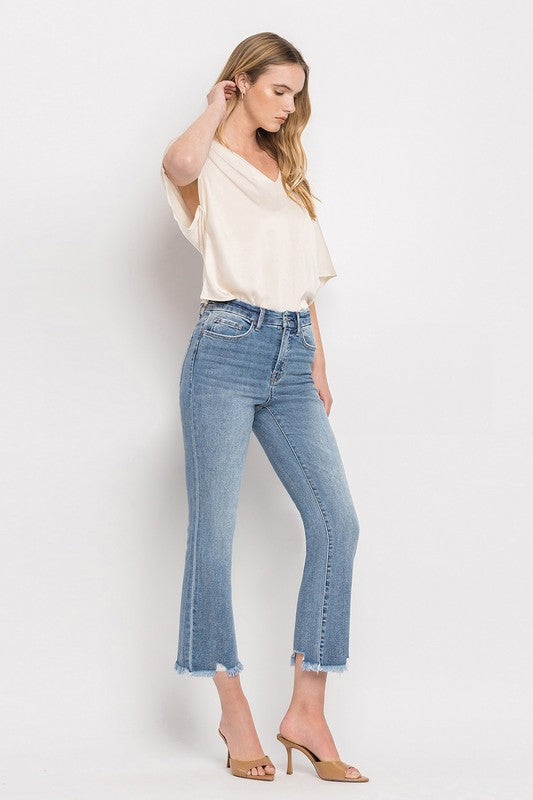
pixel 248 368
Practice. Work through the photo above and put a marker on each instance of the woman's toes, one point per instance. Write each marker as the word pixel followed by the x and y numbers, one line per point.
pixel 352 772
pixel 259 770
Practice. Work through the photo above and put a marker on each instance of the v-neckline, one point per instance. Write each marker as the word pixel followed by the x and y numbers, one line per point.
pixel 273 182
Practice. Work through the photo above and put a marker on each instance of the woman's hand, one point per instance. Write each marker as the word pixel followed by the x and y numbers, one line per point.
pixel 219 94
pixel 318 367
pixel 318 371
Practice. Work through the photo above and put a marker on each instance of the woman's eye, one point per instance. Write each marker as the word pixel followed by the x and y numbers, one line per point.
pixel 278 93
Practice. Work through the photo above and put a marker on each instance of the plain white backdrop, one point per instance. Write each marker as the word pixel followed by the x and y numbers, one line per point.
pixel 420 149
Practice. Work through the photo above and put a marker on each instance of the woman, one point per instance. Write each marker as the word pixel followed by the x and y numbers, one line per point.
pixel 235 180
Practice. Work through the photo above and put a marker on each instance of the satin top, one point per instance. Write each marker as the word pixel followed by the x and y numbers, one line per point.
pixel 257 244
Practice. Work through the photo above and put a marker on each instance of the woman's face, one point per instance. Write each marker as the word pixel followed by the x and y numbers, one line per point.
pixel 271 98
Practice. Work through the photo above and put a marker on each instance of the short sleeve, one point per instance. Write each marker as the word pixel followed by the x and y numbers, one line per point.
pixel 193 230
pixel 326 270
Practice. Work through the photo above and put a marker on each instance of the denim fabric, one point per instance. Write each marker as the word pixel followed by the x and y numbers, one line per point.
pixel 248 368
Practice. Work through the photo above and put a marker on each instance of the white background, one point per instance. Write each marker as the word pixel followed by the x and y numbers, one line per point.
pixel 420 150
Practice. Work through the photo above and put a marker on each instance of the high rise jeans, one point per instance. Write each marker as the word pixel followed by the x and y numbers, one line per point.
pixel 248 368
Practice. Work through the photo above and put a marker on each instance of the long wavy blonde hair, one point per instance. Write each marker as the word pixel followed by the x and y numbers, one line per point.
pixel 253 56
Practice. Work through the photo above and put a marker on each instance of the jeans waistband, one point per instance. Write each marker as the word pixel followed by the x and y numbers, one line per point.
pixel 261 315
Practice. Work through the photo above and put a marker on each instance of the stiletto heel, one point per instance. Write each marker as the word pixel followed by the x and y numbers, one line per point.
pixel 327 770
pixel 240 768
pixel 289 754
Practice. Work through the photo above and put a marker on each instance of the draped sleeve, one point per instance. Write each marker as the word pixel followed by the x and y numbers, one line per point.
pixel 192 229
pixel 326 270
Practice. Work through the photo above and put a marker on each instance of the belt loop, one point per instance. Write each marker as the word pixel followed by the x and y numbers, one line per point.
pixel 260 318
pixel 202 306
pixel 298 320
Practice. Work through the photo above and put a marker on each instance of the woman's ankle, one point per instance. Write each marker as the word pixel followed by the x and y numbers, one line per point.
pixel 303 709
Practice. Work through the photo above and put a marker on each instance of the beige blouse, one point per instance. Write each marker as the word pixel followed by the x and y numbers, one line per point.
pixel 257 244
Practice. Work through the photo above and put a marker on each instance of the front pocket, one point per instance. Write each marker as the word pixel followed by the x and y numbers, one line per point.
pixel 227 325
pixel 230 322
pixel 308 336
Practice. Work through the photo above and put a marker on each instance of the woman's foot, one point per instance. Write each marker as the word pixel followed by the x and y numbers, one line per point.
pixel 311 729
pixel 237 725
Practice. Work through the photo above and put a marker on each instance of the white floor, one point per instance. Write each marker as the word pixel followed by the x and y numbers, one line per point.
pixel 408 780
pixel 485 770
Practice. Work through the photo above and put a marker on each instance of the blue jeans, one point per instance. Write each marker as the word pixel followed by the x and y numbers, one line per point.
pixel 248 368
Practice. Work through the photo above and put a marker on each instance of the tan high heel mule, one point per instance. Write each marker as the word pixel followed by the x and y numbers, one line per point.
pixel 240 768
pixel 327 770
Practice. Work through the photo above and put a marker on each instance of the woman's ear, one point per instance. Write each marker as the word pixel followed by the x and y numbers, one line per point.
pixel 241 81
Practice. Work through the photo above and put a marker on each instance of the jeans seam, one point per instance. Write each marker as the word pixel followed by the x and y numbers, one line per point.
pixel 326 527
pixel 196 500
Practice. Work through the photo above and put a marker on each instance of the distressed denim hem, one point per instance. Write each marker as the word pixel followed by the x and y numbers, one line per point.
pixel 309 665
pixel 182 670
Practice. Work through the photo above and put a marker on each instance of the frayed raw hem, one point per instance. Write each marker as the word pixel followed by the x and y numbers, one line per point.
pixel 308 665
pixel 181 670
